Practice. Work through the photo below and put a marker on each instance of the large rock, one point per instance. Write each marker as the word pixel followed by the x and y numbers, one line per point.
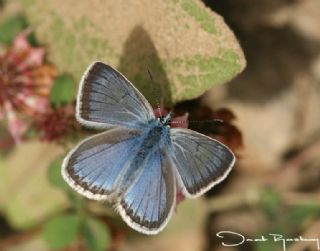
pixel 187 47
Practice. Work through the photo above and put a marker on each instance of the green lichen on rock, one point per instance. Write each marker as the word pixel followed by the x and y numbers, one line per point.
pixel 213 70
pixel 199 14
pixel 187 47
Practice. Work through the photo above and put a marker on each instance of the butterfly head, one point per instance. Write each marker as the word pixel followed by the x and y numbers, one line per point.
pixel 165 120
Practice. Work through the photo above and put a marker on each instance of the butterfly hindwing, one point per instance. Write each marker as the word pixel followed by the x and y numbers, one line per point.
pixel 147 204
pixel 94 167
pixel 106 99
pixel 201 162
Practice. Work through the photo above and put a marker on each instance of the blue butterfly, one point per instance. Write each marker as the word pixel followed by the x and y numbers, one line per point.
pixel 139 163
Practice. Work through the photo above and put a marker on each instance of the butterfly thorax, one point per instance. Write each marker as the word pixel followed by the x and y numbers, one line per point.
pixel 156 136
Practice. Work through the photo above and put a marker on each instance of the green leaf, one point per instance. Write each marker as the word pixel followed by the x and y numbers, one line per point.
pixel 270 202
pixel 266 245
pixel 300 213
pixel 96 234
pixel 11 27
pixel 55 179
pixel 61 231
pixel 76 200
pixel 54 174
pixel 63 90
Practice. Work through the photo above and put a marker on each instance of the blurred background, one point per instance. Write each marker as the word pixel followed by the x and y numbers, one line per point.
pixel 253 64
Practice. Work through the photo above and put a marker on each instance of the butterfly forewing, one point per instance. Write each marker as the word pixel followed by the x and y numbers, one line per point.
pixel 106 98
pixel 200 161
pixel 94 167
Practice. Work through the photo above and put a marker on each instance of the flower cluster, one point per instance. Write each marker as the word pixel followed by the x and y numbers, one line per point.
pixel 55 123
pixel 25 82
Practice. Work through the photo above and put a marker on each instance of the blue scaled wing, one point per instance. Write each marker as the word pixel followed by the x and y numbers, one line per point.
pixel 106 99
pixel 96 165
pixel 201 162
pixel 148 203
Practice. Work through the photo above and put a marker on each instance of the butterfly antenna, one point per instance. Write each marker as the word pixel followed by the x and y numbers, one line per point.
pixel 155 95
pixel 198 121
pixel 207 121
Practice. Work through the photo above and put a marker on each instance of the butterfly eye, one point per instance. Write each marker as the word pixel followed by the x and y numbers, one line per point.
pixel 166 120
pixel 162 118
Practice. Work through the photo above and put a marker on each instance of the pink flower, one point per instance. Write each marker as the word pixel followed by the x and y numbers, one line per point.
pixel 16 126
pixel 56 123
pixel 25 83
pixel 217 124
